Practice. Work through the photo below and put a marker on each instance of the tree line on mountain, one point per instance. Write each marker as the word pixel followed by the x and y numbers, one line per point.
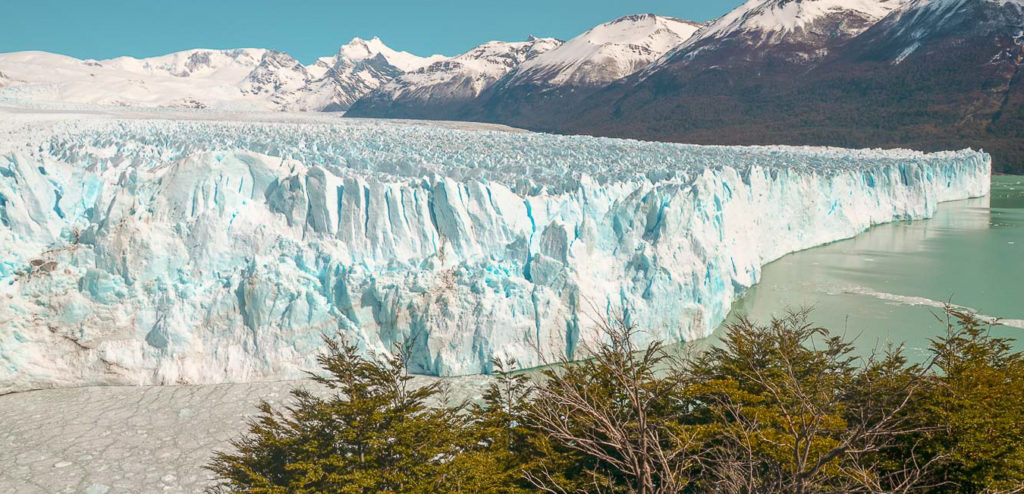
pixel 778 407
pixel 929 84
pixel 932 103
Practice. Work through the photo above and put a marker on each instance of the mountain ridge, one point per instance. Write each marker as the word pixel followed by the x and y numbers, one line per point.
pixel 241 78
pixel 926 74
pixel 566 72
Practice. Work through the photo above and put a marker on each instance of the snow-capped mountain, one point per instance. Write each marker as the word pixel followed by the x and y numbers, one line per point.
pixel 926 74
pixel 212 64
pixel 544 91
pixel 791 30
pixel 777 19
pixel 921 23
pixel 276 75
pixel 449 82
pixel 188 78
pixel 605 53
pixel 360 50
pixel 234 79
pixel 359 67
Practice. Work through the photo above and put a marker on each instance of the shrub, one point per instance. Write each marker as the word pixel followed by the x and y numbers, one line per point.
pixel 976 404
pixel 374 433
pixel 780 407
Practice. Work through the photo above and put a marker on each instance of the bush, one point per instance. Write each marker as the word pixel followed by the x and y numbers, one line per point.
pixel 374 433
pixel 976 404
pixel 791 414
pixel 619 419
pixel 781 407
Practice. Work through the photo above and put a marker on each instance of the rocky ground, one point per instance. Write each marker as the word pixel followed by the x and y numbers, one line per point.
pixel 99 440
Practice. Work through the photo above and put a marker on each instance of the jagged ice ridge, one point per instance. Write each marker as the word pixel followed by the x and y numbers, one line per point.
pixel 163 251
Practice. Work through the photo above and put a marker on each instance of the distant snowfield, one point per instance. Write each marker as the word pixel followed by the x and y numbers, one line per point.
pixel 44 111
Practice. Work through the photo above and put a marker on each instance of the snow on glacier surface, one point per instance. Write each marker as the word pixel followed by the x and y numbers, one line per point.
pixel 138 250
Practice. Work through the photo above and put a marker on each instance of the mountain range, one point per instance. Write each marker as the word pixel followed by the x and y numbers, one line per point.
pixel 242 79
pixel 924 74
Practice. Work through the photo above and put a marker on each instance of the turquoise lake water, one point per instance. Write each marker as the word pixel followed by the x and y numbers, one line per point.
pixel 887 284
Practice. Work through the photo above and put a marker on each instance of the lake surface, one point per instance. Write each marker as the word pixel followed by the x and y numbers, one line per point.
pixel 887 284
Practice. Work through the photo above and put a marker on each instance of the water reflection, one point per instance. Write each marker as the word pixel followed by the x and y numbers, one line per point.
pixel 887 284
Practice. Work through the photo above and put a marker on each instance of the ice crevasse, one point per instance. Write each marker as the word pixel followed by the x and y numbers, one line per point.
pixel 161 251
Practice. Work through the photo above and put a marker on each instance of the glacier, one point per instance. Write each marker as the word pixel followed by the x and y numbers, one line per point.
pixel 149 250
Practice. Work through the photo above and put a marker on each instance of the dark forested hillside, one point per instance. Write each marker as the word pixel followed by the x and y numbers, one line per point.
pixel 961 86
pixel 931 76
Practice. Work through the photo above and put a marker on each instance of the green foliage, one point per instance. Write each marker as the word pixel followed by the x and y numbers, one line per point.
pixel 502 445
pixel 617 417
pixel 793 412
pixel 781 407
pixel 977 405
pixel 375 433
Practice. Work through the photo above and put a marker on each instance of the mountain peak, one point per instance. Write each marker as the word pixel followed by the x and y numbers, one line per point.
pixel 786 16
pixel 360 49
pixel 648 17
pixel 607 52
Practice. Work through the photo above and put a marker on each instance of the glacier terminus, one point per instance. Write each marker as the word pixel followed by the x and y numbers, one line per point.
pixel 158 250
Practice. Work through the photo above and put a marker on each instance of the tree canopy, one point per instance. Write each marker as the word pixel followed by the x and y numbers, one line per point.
pixel 777 407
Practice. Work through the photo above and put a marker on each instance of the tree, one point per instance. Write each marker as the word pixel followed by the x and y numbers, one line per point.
pixel 780 407
pixel 976 404
pixel 502 446
pixel 614 416
pixel 373 433
pixel 792 412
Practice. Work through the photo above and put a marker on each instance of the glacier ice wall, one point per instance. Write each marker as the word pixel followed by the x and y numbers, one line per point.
pixel 161 251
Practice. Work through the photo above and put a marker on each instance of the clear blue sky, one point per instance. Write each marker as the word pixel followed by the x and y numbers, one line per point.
pixel 308 29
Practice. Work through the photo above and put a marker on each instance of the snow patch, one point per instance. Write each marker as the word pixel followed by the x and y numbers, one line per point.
pixel 906 53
